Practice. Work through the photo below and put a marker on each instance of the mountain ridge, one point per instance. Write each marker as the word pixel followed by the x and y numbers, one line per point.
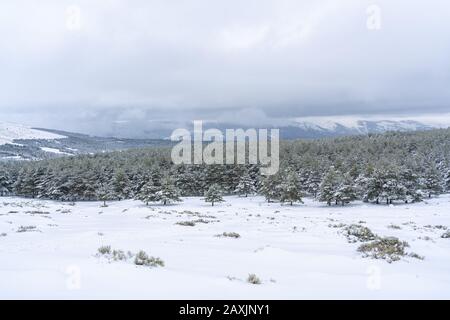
pixel 19 142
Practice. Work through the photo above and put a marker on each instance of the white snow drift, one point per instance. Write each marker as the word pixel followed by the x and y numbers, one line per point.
pixel 50 250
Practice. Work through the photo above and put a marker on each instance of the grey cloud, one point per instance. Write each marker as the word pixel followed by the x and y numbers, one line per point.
pixel 148 62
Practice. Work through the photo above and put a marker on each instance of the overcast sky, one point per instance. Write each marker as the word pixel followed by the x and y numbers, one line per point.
pixel 87 65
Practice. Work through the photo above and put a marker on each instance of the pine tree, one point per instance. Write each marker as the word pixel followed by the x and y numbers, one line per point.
pixel 447 181
pixel 5 183
pixel 432 183
pixel 169 193
pixel 246 185
pixel 270 187
pixel 290 190
pixel 384 184
pixel 120 185
pixel 346 192
pixel 214 194
pixel 313 184
pixel 410 181
pixel 103 194
pixel 329 186
pixel 149 193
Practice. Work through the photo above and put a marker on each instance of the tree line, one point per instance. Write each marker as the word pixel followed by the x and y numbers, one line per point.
pixel 379 168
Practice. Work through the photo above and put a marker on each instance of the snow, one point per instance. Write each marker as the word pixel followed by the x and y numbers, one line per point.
pixel 359 123
pixel 312 260
pixel 11 131
pixel 329 123
pixel 53 150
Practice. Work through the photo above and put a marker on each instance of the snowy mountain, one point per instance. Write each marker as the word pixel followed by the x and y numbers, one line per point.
pixel 293 128
pixel 9 132
pixel 321 127
pixel 19 142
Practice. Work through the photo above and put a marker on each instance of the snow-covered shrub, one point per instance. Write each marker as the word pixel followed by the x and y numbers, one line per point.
pixel 358 233
pixel 119 255
pixel 143 259
pixel 388 248
pixel 416 256
pixel 253 279
pixel 446 235
pixel 3 234
pixel 186 223
pixel 394 226
pixel 201 221
pixel 337 226
pixel 104 250
pixel 229 235
pixel 26 228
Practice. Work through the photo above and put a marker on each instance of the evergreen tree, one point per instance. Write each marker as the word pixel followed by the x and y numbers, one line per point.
pixel 447 181
pixel 169 193
pixel 290 190
pixel 149 193
pixel 270 187
pixel 346 192
pixel 120 185
pixel 410 181
pixel 214 194
pixel 432 183
pixel 103 194
pixel 246 185
pixel 329 186
pixel 5 183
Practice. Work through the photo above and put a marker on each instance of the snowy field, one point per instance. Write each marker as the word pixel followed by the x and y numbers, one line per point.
pixel 50 250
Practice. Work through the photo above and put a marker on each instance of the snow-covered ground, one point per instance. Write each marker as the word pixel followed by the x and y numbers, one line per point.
pixel 297 252
pixel 11 131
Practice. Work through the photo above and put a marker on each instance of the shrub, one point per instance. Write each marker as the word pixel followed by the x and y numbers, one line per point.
pixel 26 228
pixel 416 256
pixel 186 223
pixel 253 279
pixel 389 248
pixel 3 234
pixel 142 259
pixel 394 226
pixel 356 232
pixel 104 250
pixel 446 235
pixel 119 255
pixel 229 235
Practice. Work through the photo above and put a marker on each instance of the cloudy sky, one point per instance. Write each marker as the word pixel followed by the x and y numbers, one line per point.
pixel 91 66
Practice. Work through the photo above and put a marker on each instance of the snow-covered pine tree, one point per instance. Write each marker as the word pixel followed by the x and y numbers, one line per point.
pixel 388 185
pixel 214 194
pixel 120 185
pixel 346 191
pixel 103 193
pixel 447 181
pixel 270 187
pixel 5 183
pixel 246 185
pixel 329 186
pixel 290 190
pixel 410 180
pixel 375 185
pixel 169 193
pixel 432 183
pixel 149 193
pixel 313 184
